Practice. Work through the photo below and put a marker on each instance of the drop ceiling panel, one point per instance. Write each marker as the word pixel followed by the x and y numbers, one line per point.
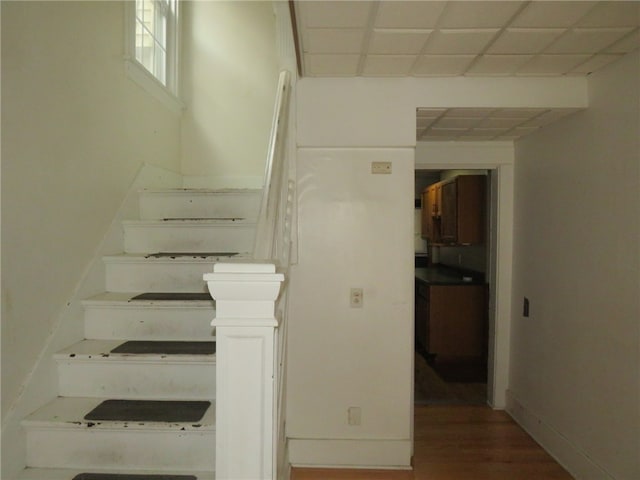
pixel 552 65
pixel 497 65
pixel 586 40
pixel 331 65
pixel 460 41
pixel 478 14
pixel 334 40
pixel 442 65
pixel 398 41
pixel 612 14
pixel 524 40
pixel 409 14
pixel 552 14
pixel 627 44
pixel 323 14
pixel 388 65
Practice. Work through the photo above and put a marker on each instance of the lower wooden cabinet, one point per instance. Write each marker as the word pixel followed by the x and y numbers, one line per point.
pixel 451 320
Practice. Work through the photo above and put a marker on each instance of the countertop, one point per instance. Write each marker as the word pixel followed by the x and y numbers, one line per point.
pixel 439 275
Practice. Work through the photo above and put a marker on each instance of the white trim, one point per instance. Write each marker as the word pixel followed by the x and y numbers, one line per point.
pixel 351 453
pixel 569 455
pixel 167 95
pixel 497 156
pixel 148 82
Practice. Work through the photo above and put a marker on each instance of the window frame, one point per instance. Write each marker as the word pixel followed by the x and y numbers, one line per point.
pixel 168 94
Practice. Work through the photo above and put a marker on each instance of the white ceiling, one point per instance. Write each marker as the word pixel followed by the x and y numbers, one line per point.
pixel 471 38
pixel 428 38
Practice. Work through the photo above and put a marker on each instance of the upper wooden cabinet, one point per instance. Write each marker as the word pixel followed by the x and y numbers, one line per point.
pixel 454 211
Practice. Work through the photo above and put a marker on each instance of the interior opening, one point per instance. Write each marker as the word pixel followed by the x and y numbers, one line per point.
pixel 452 278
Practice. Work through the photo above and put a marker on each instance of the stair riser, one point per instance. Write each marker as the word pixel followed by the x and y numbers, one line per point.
pixel 122 449
pixel 158 205
pixel 130 380
pixel 176 238
pixel 154 276
pixel 149 323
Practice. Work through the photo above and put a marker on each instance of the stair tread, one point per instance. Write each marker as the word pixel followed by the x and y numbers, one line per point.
pixel 101 350
pixel 175 257
pixel 69 474
pixel 124 299
pixel 69 412
pixel 201 190
pixel 192 222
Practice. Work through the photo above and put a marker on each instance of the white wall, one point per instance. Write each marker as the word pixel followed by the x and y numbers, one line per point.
pixel 229 79
pixel 355 230
pixel 575 364
pixel 75 132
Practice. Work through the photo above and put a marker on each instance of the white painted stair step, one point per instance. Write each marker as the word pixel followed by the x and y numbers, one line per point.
pixel 58 436
pixel 112 315
pixel 190 235
pixel 199 203
pixel 68 474
pixel 144 273
pixel 90 369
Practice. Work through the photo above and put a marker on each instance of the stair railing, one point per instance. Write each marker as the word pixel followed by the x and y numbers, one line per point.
pixel 251 327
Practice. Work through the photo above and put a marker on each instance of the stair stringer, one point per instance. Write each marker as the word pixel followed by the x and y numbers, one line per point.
pixel 41 385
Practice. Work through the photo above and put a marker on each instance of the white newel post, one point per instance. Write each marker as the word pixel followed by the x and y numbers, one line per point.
pixel 245 296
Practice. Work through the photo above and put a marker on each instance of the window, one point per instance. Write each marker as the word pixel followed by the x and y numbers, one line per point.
pixel 152 47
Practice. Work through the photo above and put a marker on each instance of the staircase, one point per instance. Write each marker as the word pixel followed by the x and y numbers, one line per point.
pixel 137 395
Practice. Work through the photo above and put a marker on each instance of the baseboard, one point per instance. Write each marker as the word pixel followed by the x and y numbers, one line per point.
pixel 222 181
pixel 373 454
pixel 41 385
pixel 567 454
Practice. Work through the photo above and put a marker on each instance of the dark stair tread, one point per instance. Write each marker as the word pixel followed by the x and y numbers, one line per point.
pixel 149 410
pixel 130 476
pixel 191 254
pixel 173 296
pixel 166 347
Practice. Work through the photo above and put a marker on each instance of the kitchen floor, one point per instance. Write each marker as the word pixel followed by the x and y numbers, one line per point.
pixel 448 384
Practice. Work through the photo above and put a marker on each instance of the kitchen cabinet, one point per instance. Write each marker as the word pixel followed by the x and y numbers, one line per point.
pixel 454 211
pixel 451 320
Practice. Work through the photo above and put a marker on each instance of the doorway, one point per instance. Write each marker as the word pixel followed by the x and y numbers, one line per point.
pixel 497 159
pixel 451 286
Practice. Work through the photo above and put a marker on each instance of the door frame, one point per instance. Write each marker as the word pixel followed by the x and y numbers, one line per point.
pixel 498 158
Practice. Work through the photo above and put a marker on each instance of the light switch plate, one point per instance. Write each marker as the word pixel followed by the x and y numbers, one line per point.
pixel 381 167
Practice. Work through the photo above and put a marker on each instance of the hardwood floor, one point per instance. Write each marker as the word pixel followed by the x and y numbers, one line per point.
pixel 461 442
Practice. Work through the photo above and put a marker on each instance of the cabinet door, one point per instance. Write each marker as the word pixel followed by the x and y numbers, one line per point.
pixel 425 216
pixel 471 199
pixel 449 218
pixel 457 320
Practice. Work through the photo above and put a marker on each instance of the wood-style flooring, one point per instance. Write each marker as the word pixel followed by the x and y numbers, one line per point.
pixel 461 442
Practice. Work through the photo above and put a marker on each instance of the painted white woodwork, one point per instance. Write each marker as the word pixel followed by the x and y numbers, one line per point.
pixel 113 316
pixel 59 437
pixel 199 203
pixel 245 321
pixel 136 273
pixel 90 369
pixel 66 474
pixel 275 173
pixel 188 236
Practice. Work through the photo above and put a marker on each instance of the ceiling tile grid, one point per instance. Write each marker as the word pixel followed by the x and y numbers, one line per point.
pixel 460 124
pixel 475 38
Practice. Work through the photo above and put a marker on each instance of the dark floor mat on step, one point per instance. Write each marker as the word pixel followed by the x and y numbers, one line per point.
pixel 169 348
pixel 172 296
pixel 128 476
pixel 149 411
pixel 191 254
